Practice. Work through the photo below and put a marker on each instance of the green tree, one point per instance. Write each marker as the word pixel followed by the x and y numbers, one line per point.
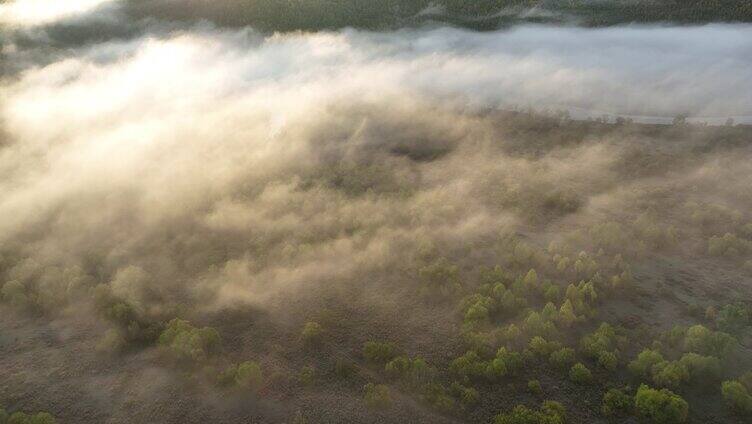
pixel 377 396
pixel 661 406
pixel 616 402
pixel 737 397
pixel 580 374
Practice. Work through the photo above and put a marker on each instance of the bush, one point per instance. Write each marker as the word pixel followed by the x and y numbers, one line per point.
pixel 246 375
pixel 187 343
pixel 413 371
pixel 307 376
pixel 312 333
pixel 550 413
pixel 112 342
pixel 603 339
pixel 608 360
pixel 377 396
pixel 38 418
pixel 562 358
pixel 737 397
pixel 733 318
pixel 643 365
pixel 702 369
pixel 616 402
pixel 469 365
pixel 344 368
pixel 580 374
pixel 379 353
pixel 661 406
pixel 534 387
pixel 670 374
pixel 706 342
pixel 468 396
pixel 543 348
pixel 438 397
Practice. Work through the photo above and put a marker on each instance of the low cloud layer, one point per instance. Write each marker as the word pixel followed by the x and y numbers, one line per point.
pixel 201 134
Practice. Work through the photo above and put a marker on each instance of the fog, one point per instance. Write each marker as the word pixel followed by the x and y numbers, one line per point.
pixel 193 169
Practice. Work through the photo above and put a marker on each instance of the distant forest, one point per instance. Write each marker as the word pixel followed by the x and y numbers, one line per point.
pixel 274 15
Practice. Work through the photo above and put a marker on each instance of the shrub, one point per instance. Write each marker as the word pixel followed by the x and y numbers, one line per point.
pixel 312 333
pixel 670 374
pixel 468 396
pixel 249 375
pixel 550 413
pixel 733 318
pixel 729 246
pixel 413 371
pixel 440 278
pixel 608 360
pixel 661 406
pixel 580 374
pixel 438 397
pixel 562 358
pixel 616 402
pixel 38 418
pixel 746 380
pixel 112 342
pixel 379 353
pixel 344 368
pixel 246 375
pixel 643 365
pixel 601 340
pixel 543 348
pixel 706 342
pixel 701 368
pixel 3 416
pixel 187 343
pixel 377 396
pixel 737 397
pixel 469 365
pixel 534 387
pixel 307 376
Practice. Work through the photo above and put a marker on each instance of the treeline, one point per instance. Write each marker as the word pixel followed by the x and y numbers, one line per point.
pixel 273 15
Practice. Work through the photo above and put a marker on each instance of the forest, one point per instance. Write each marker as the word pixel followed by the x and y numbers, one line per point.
pixel 206 218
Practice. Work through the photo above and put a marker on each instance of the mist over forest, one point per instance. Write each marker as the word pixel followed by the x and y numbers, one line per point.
pixel 351 211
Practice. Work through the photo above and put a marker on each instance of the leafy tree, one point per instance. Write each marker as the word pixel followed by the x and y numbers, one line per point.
pixel 702 369
pixel 312 333
pixel 307 376
pixel 468 396
pixel 534 387
pixel 643 365
pixel 733 318
pixel 608 360
pixel 379 353
pixel 469 365
pixel 543 348
pixel 413 371
pixel 377 396
pixel 187 343
pixel 661 406
pixel 246 375
pixel 580 374
pixel 701 340
pixel 563 358
pixel 616 402
pixel 38 418
pixel 551 412
pixel 737 397
pixel 438 397
pixel 670 374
